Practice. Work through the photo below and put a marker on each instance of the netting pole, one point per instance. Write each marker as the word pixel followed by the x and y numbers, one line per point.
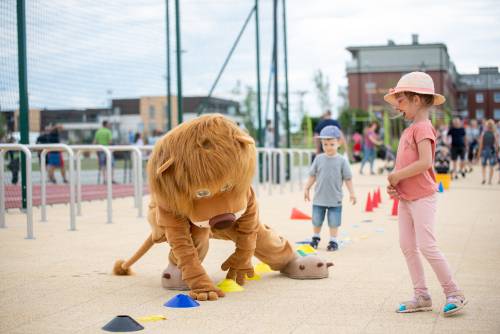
pixel 179 63
pixel 169 93
pixel 257 57
pixel 275 68
pixel 287 104
pixel 23 89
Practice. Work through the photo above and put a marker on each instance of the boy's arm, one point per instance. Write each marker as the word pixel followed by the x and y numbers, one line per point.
pixel 480 149
pixel 423 163
pixel 309 184
pixel 352 195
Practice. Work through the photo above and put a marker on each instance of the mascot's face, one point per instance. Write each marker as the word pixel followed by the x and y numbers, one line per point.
pixel 203 169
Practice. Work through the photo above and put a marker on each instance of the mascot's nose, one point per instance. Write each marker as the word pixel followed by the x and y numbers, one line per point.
pixel 222 221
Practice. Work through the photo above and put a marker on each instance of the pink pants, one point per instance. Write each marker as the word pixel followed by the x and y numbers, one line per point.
pixel 416 235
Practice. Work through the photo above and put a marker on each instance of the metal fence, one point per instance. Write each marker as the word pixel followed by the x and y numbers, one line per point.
pixel 277 169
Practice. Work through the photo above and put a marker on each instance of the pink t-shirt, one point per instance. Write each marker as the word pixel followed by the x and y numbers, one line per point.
pixel 420 185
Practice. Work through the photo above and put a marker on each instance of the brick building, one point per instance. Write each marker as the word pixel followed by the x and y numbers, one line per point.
pixel 479 94
pixel 373 70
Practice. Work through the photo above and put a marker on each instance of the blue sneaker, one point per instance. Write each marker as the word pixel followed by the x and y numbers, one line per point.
pixel 314 242
pixel 454 303
pixel 332 246
pixel 417 304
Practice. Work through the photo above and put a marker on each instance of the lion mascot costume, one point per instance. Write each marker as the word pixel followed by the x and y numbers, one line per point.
pixel 200 176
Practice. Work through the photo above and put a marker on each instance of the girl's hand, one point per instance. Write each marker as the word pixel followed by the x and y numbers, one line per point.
pixel 306 195
pixel 393 179
pixel 352 198
pixel 392 192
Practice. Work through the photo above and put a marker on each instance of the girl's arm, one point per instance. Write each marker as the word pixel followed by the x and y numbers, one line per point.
pixel 423 163
pixel 309 184
pixel 352 196
pixel 480 149
pixel 374 139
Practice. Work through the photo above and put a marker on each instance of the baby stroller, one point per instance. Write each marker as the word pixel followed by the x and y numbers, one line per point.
pixel 387 154
pixel 442 159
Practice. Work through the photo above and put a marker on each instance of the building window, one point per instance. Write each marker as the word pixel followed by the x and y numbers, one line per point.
pixel 496 114
pixel 152 112
pixel 480 113
pixel 479 97
pixel 496 97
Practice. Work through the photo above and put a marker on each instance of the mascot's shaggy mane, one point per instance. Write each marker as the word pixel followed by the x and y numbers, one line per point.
pixel 192 157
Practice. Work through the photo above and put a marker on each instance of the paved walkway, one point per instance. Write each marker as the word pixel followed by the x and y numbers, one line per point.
pixel 61 282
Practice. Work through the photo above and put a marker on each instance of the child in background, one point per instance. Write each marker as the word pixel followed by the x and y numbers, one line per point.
pixel 329 171
pixel 413 182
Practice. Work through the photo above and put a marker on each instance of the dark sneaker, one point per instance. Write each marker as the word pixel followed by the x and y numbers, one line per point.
pixel 314 243
pixel 332 246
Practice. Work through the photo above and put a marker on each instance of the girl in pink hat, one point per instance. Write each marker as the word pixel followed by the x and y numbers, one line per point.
pixel 414 183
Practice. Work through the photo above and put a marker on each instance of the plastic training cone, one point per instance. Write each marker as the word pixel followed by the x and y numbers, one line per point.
pixel 262 268
pixel 151 318
pixel 440 188
pixel 181 301
pixel 395 207
pixel 369 204
pixel 379 196
pixel 123 323
pixel 307 249
pixel 375 200
pixel 228 285
pixel 299 215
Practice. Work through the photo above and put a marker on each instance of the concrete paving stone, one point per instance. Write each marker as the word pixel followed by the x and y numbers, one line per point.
pixel 61 282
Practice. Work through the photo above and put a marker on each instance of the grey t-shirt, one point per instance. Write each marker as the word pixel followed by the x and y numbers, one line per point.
pixel 330 173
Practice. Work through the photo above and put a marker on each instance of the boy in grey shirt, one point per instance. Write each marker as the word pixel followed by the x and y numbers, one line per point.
pixel 329 171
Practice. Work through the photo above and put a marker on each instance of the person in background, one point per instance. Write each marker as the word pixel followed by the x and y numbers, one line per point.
pixel 43 138
pixel 370 139
pixel 55 159
pixel 458 144
pixel 269 135
pixel 472 134
pixel 488 149
pixel 327 120
pixel 104 137
pixel 13 157
pixel 357 138
pixel 138 141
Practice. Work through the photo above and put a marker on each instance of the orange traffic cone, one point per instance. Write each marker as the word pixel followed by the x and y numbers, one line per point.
pixel 395 207
pixel 379 196
pixel 369 204
pixel 299 215
pixel 375 199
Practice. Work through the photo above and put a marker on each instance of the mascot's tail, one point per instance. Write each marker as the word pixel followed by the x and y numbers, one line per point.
pixel 122 267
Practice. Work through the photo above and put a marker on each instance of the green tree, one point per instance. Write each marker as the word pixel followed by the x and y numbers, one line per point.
pixel 249 111
pixel 3 126
pixel 353 119
pixel 322 88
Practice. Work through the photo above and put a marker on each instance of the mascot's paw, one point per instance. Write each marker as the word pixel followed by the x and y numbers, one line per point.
pixel 307 267
pixel 119 270
pixel 202 295
pixel 171 279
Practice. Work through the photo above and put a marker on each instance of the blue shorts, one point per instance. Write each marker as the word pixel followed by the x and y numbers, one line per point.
pixel 488 155
pixel 54 159
pixel 101 157
pixel 334 215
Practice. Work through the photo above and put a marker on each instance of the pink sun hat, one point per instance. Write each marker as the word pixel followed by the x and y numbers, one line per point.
pixel 416 82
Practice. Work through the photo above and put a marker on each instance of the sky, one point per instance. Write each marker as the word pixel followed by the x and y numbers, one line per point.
pixel 82 53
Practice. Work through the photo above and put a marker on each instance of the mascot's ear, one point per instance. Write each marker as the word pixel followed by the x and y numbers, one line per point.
pixel 165 166
pixel 245 140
